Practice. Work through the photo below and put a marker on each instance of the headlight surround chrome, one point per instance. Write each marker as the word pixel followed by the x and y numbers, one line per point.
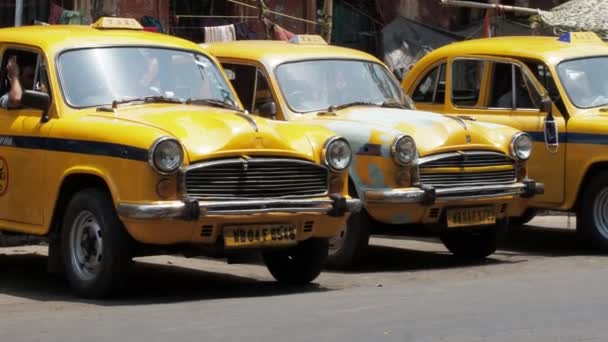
pixel 521 146
pixel 404 150
pixel 166 155
pixel 337 154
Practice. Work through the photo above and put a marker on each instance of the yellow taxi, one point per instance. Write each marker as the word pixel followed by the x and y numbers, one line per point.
pixel 126 143
pixel 554 89
pixel 461 177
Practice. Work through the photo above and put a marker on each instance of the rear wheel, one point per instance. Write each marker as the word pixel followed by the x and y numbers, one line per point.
pixel 96 248
pixel 475 243
pixel 592 217
pixel 297 265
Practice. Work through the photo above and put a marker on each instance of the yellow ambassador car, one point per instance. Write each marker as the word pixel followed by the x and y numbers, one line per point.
pixel 462 177
pixel 555 89
pixel 127 141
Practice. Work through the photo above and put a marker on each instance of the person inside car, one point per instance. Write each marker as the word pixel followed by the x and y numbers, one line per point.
pixel 18 82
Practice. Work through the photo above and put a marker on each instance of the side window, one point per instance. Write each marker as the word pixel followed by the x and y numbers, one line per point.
pixel 32 72
pixel 467 75
pixel 243 79
pixel 41 81
pixel 263 95
pixel 511 88
pixel 431 88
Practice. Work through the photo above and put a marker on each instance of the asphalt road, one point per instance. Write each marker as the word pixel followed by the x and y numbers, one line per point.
pixel 541 286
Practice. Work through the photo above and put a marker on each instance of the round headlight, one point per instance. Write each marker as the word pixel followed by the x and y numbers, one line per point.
pixel 166 155
pixel 337 154
pixel 521 146
pixel 404 150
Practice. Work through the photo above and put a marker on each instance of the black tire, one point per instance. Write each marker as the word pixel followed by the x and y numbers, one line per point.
pixel 297 265
pixel 474 243
pixel 355 240
pixel 527 216
pixel 349 246
pixel 94 208
pixel 592 215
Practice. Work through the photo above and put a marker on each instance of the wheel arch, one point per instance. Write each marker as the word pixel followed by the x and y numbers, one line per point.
pixel 73 181
pixel 591 172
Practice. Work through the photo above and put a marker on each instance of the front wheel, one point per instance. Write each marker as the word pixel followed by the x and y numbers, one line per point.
pixel 348 247
pixel 592 217
pixel 95 246
pixel 297 265
pixel 527 216
pixel 475 244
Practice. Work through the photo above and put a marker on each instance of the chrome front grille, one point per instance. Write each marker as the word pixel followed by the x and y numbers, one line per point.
pixel 255 178
pixel 467 159
pixel 468 179
pixel 465 164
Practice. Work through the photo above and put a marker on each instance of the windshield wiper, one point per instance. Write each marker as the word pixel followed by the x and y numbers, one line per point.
pixel 213 103
pixel 333 108
pixel 146 99
pixel 394 105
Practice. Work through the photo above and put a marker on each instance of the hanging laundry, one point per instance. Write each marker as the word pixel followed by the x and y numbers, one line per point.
pixel 220 33
pixel 243 32
pixel 280 33
pixel 151 24
pixel 55 12
pixel 71 18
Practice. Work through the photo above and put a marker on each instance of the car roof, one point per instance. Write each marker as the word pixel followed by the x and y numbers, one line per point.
pixel 54 38
pixel 276 52
pixel 548 49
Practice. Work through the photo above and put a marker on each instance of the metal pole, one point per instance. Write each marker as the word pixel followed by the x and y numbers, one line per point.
pixel 504 8
pixel 18 12
pixel 328 9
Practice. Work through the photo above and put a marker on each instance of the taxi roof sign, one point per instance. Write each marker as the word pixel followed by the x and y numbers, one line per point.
pixel 580 37
pixel 310 39
pixel 117 23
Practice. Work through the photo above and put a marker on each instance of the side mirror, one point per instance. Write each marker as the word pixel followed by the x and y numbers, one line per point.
pixel 267 110
pixel 37 100
pixel 550 126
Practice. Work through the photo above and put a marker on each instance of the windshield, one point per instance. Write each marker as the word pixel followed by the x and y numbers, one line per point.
pixel 100 76
pixel 585 81
pixel 316 85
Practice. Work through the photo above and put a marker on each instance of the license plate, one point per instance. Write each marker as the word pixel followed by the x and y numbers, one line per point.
pixel 260 235
pixel 478 216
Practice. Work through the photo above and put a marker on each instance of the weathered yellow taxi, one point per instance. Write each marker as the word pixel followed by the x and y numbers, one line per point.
pixel 554 89
pixel 462 177
pixel 128 142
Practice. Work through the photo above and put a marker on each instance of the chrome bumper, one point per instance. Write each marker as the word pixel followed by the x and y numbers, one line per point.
pixel 334 205
pixel 427 195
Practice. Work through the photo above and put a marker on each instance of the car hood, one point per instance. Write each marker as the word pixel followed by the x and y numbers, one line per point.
pixel 206 131
pixel 431 131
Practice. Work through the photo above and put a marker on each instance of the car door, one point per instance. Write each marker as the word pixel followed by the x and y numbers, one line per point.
pixel 505 91
pixel 22 142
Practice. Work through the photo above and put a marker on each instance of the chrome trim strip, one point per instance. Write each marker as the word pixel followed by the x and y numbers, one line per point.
pixel 435 157
pixel 417 195
pixel 178 209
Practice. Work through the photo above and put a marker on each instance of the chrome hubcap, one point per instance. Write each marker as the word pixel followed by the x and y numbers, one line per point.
pixel 86 245
pixel 600 212
pixel 337 241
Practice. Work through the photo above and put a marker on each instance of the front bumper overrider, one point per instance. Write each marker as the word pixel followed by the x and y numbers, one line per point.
pixel 428 195
pixel 192 210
